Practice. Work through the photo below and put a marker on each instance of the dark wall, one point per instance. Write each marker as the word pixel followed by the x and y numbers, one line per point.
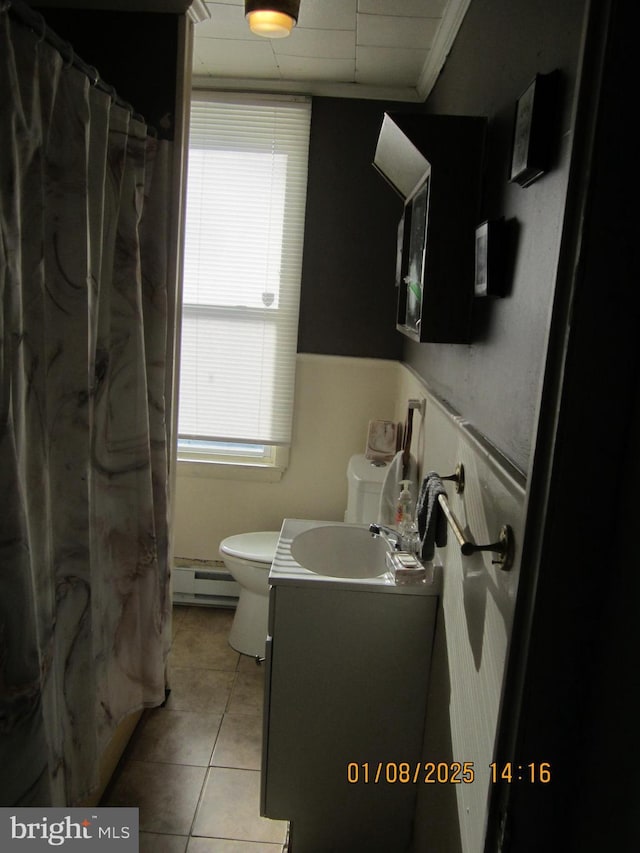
pixel 494 382
pixel 348 297
pixel 573 648
pixel 135 52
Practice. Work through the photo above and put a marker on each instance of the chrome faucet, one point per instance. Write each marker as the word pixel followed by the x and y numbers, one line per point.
pixel 390 536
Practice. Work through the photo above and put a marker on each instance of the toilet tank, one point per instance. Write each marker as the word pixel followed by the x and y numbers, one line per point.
pixel 364 484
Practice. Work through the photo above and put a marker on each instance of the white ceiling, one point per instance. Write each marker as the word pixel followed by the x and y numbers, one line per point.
pixel 348 48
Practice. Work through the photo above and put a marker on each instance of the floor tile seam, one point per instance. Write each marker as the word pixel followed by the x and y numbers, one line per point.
pixel 242 769
pixel 165 764
pixel 233 838
pixel 256 714
pixel 171 834
pixel 177 763
pixel 213 713
pixel 157 711
pixel 232 767
pixel 199 802
pixel 199 665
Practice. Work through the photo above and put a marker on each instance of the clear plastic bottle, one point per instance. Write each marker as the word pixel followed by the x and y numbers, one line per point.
pixel 403 505
pixel 405 522
pixel 410 538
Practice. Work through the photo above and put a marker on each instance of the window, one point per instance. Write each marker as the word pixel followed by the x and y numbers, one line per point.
pixel 246 194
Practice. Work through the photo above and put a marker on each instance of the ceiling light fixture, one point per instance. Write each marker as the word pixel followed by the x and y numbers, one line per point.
pixel 271 18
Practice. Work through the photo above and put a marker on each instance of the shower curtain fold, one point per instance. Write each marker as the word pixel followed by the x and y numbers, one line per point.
pixel 84 578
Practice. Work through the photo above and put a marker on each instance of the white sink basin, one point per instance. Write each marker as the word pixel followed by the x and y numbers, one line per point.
pixel 340 551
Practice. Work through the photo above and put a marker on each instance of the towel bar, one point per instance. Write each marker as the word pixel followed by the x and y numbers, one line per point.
pixel 504 547
pixel 457 477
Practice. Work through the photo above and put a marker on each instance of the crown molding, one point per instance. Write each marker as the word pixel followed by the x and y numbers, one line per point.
pixel 447 32
pixel 319 88
pixel 179 7
pixel 198 11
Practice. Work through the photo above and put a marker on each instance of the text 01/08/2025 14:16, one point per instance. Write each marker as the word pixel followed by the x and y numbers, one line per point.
pixel 442 772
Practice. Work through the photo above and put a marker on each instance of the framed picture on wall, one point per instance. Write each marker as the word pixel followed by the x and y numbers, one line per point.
pixel 534 130
pixel 489 279
pixel 482 278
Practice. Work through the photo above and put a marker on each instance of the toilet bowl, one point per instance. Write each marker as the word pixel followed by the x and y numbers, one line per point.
pixel 248 557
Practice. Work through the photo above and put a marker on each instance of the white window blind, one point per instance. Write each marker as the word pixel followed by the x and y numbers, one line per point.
pixel 246 194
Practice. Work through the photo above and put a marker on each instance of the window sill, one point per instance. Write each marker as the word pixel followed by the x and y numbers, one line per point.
pixel 238 471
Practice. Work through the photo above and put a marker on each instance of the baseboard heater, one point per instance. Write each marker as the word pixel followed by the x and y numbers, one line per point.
pixel 204 583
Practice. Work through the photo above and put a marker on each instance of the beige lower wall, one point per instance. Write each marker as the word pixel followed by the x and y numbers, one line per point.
pixel 335 399
pixel 473 624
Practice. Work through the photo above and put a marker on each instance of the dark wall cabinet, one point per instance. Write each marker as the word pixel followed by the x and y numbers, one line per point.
pixel 435 163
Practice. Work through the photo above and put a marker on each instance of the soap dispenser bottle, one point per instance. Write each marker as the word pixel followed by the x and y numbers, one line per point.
pixel 405 522
pixel 403 504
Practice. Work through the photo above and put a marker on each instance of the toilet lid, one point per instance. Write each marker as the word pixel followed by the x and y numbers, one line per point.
pixel 259 547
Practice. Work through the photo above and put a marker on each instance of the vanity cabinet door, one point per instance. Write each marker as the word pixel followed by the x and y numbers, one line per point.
pixel 346 695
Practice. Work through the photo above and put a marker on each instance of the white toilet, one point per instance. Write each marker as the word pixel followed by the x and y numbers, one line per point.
pixel 248 557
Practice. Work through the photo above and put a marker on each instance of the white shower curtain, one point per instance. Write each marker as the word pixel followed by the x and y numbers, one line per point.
pixel 84 587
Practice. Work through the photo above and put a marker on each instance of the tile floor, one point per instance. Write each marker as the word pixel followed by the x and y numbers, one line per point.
pixel 193 767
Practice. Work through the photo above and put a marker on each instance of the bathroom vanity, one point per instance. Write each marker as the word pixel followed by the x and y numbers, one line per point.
pixel 347 674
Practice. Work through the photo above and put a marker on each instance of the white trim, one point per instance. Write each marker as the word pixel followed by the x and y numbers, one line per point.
pixel 353 360
pixel 174 7
pixel 481 445
pixel 437 56
pixel 230 471
pixel 309 87
pixel 252 98
pixel 198 11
